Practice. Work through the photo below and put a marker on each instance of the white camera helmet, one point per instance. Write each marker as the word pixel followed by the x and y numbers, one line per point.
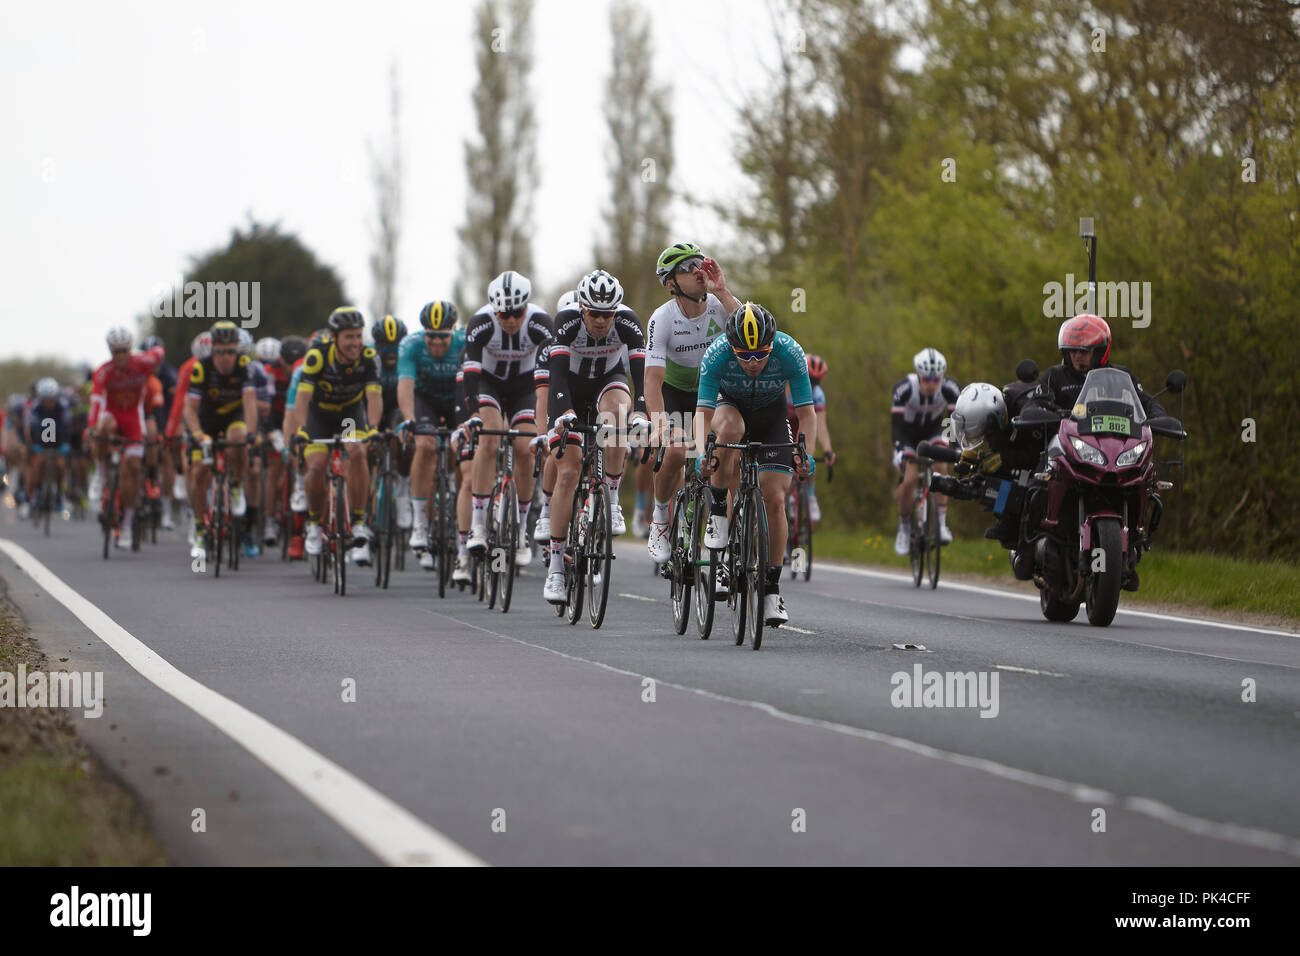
pixel 980 407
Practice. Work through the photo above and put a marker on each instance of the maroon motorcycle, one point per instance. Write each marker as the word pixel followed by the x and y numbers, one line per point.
pixel 1097 505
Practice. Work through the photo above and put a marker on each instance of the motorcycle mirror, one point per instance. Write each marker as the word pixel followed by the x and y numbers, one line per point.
pixel 1033 417
pixel 1027 371
pixel 1176 381
pixel 1166 426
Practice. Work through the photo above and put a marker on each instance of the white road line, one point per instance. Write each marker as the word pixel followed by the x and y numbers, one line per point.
pixel 637 597
pixel 1082 793
pixel 797 630
pixel 1028 670
pixel 388 830
pixel 999 592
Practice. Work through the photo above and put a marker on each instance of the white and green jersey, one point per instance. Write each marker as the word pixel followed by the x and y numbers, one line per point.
pixel 676 343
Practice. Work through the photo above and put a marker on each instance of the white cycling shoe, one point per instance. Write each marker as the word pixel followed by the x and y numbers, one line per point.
pixel 945 536
pixel 298 500
pixel 477 538
pixel 774 613
pixel 715 532
pixel 902 541
pixel 639 527
pixel 617 523
pixel 814 509
pixel 238 504
pixel 523 556
pixel 315 540
pixel 460 574
pixel 426 560
pixel 542 531
pixel 420 538
pixel 124 539
pixel 658 545
pixel 361 550
pixel 554 591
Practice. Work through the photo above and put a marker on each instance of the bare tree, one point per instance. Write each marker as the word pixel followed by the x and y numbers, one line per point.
pixel 386 173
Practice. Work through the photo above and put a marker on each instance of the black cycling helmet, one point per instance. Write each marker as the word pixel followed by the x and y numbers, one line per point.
pixel 346 317
pixel 439 316
pixel 292 348
pixel 751 328
pixel 388 332
pixel 225 332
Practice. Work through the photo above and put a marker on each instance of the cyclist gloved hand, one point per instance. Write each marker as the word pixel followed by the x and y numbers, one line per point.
pixel 473 423
pixel 566 421
pixel 638 432
pixel 539 444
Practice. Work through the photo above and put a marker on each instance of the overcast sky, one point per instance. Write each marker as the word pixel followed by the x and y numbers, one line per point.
pixel 138 133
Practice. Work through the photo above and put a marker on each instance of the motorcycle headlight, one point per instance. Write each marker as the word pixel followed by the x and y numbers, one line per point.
pixel 1132 456
pixel 1088 453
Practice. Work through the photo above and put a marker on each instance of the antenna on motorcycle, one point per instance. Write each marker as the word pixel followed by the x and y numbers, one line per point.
pixel 1090 243
pixel 1027 371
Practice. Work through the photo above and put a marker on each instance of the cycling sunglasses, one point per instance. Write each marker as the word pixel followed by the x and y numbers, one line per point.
pixel 513 313
pixel 931 379
pixel 600 313
pixel 225 351
pixel 688 265
pixel 438 334
pixel 752 355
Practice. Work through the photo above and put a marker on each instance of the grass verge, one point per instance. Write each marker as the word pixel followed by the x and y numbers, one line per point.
pixel 1188 579
pixel 57 807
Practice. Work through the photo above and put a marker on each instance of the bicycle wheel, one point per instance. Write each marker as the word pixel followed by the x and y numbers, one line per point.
pixel 681 573
pixel 575 557
pixel 108 512
pixel 491 559
pixel 510 536
pixel 805 530
pixel 48 504
pixel 600 554
pixel 736 561
pixel 932 545
pixel 217 525
pixel 341 530
pixel 916 539
pixel 756 567
pixel 385 529
pixel 703 564
pixel 437 543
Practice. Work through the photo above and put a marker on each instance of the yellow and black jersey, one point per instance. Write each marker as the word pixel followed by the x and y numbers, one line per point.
pixel 220 394
pixel 332 384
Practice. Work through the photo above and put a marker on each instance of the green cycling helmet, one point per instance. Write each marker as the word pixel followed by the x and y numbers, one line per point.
pixel 674 256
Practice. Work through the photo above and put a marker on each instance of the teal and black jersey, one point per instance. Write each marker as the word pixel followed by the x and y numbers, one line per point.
pixel 723 379
pixel 435 378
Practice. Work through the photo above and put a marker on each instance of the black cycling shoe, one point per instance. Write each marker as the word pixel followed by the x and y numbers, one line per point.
pixel 1130 582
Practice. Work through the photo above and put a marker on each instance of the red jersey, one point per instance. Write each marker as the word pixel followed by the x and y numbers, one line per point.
pixel 178 406
pixel 122 391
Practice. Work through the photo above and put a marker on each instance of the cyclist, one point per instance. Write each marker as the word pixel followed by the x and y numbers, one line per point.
pixel 921 402
pixel 268 352
pixel 158 464
pixel 743 377
pixel 293 350
pixel 117 408
pixel 595 334
pixel 500 353
pixel 200 348
pixel 816 372
pixel 335 378
pixel 221 402
pixel 542 381
pixel 427 365
pixel 677 336
pixel 49 425
pixel 387 334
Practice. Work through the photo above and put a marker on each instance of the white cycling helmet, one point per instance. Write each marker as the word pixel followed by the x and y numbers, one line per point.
pixel 509 291
pixel 47 388
pixel 567 301
pixel 201 347
pixel 930 363
pixel 245 342
pixel 119 338
pixel 980 407
pixel 267 349
pixel 600 291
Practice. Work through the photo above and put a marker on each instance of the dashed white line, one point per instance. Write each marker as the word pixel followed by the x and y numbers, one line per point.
pixel 637 597
pixel 1028 670
pixel 388 830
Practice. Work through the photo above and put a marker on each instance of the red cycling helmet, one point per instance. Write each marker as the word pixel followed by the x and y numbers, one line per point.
pixel 816 368
pixel 1085 331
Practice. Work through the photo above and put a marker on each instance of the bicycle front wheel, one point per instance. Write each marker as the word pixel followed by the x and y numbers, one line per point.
pixel 932 544
pixel 736 561
pixel 681 573
pixel 510 534
pixel 340 531
pixel 805 530
pixel 916 539
pixel 756 566
pixel 575 557
pixel 600 553
pixel 703 564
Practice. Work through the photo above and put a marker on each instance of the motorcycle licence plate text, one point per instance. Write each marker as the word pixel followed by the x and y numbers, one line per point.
pixel 1116 424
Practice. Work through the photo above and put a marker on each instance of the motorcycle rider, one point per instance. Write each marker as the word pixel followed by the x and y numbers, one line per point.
pixel 1084 343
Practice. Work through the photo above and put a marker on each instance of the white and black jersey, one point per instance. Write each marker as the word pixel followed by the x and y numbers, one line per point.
pixel 914 417
pixel 491 352
pixel 578 361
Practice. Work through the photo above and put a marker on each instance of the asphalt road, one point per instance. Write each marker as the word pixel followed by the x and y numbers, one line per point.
pixel 523 740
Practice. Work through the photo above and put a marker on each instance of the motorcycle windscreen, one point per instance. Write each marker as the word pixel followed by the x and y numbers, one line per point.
pixel 1108 404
